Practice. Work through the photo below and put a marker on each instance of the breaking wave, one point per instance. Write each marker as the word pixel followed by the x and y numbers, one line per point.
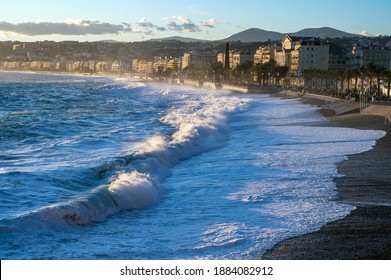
pixel 199 126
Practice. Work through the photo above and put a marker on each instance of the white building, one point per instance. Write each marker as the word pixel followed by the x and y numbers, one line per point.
pixel 235 58
pixel 371 53
pixel 198 60
pixel 300 53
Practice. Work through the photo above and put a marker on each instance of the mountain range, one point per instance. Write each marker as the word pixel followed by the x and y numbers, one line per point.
pixel 179 38
pixel 260 35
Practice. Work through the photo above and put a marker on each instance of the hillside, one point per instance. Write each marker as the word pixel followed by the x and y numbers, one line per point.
pixel 323 32
pixel 260 35
pixel 255 35
pixel 178 38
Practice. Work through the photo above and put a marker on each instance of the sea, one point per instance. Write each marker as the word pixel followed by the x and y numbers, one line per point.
pixel 108 168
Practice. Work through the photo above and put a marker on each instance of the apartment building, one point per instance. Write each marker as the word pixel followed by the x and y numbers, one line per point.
pixel 266 54
pixel 235 58
pixel 240 58
pixel 142 66
pixel 120 66
pixel 312 54
pixel 198 60
pixel 339 57
pixel 363 54
pixel 103 66
pixel 300 53
pixel 173 63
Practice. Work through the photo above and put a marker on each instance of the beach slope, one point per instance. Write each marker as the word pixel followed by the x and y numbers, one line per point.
pixel 366 184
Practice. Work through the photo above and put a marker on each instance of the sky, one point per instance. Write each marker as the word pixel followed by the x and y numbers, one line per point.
pixel 129 20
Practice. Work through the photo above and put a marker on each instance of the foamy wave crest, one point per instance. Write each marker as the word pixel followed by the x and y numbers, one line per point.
pixel 135 84
pixel 125 83
pixel 134 190
pixel 201 123
pixel 152 145
pixel 200 126
pixel 95 206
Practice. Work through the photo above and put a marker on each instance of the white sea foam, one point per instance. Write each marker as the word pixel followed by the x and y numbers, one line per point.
pixel 199 126
pixel 128 82
pixel 296 193
pixel 134 190
pixel 271 178
pixel 222 235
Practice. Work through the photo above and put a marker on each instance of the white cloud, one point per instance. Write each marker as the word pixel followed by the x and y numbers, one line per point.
pixel 184 25
pixel 81 27
pixel 190 27
pixel 149 32
pixel 183 19
pixel 365 33
pixel 145 23
pixel 172 25
pixel 158 28
pixel 71 27
pixel 135 31
pixel 209 23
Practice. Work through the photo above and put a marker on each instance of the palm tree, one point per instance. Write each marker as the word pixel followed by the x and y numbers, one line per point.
pixel 371 72
pixel 265 71
pixel 218 71
pixel 324 76
pixel 335 76
pixel 270 68
pixel 348 75
pixel 242 72
pixel 257 69
pixel 355 74
pixel 363 73
pixel 307 75
pixel 318 76
pixel 279 73
pixel 381 72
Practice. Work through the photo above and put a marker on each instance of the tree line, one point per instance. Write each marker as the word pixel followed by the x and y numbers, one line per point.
pixel 346 82
pixel 342 83
pixel 264 74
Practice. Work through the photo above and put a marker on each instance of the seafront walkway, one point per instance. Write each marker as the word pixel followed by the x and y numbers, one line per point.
pixel 341 106
pixel 337 105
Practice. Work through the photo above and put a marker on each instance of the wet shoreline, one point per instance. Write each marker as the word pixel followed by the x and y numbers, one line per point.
pixel 365 184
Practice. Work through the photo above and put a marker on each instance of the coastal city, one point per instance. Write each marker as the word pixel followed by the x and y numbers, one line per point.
pixel 195 139
pixel 341 67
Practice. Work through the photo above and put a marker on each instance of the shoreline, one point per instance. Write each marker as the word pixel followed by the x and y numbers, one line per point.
pixel 366 184
pixel 365 232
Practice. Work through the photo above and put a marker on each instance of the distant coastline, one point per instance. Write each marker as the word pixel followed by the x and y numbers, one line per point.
pixel 376 110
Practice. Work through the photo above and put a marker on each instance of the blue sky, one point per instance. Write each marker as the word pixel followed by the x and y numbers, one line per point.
pixel 87 20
